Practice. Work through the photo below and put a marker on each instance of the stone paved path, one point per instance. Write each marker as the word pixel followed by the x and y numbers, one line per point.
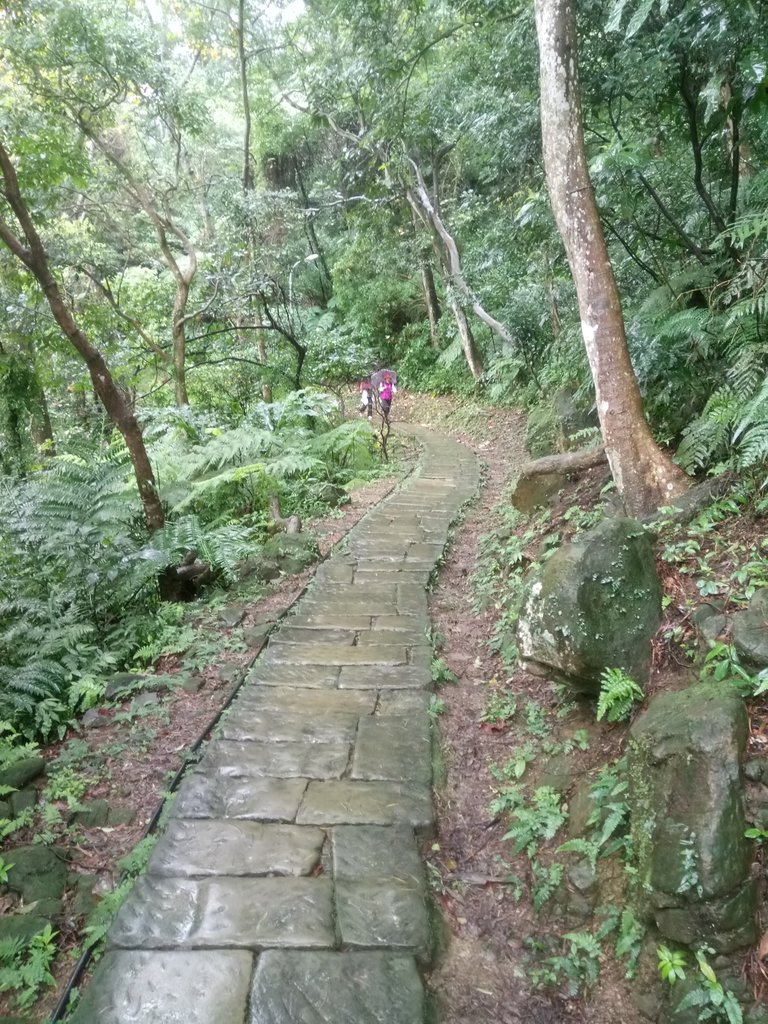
pixel 288 887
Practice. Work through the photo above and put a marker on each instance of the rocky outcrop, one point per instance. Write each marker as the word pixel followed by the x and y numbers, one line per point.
pixel 595 604
pixel 688 821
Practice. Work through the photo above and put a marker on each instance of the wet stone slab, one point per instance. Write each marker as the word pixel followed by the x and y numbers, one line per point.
pixel 382 912
pixel 308 702
pixel 376 851
pixel 270 673
pixel 336 988
pixel 342 612
pixel 318 634
pixel 201 796
pixel 235 758
pixel 403 702
pixel 319 616
pixel 366 803
pixel 335 654
pixel 228 913
pixel 158 987
pixel 288 726
pixel 396 747
pixel 193 848
pixel 385 677
pixel 384 637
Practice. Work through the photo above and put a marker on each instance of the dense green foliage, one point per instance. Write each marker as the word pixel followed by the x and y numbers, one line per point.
pixel 235 206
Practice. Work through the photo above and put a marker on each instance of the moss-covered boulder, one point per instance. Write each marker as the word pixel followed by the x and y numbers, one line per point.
pixel 750 631
pixel 38 873
pixel 595 604
pixel 287 553
pixel 687 812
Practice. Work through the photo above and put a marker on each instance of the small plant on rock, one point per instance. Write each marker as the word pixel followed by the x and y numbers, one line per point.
pixel 618 695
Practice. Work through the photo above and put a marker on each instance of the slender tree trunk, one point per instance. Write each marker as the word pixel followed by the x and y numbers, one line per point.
pixel 466 337
pixel 179 338
pixel 243 62
pixel 431 300
pixel 644 476
pixel 266 390
pixel 35 259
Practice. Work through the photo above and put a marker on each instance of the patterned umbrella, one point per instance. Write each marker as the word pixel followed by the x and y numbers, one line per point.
pixel 379 375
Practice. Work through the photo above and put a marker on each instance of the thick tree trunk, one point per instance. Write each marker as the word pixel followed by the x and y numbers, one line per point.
pixel 35 259
pixel 644 476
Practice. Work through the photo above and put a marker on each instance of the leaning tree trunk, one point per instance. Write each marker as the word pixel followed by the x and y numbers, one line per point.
pixel 431 301
pixel 644 476
pixel 35 259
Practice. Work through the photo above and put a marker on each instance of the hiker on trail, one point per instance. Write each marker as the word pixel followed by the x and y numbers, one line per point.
pixel 387 390
pixel 366 399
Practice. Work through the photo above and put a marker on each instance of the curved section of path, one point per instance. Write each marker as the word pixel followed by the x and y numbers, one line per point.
pixel 287 887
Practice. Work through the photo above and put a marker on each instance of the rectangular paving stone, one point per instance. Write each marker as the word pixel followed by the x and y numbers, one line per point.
pixel 336 988
pixel 309 702
pixel 346 802
pixel 382 912
pixel 260 799
pixel 194 848
pixel 376 851
pixel 282 726
pixel 343 611
pixel 227 913
pixel 271 673
pixel 403 702
pixel 319 616
pixel 167 987
pixel 302 634
pixel 335 654
pixel 383 637
pixel 385 677
pixel 397 748
pixel 235 758
pixel 408 623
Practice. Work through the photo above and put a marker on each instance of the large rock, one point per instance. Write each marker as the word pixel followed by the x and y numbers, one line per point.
pixel 750 631
pixel 595 604
pixel 287 553
pixel 688 821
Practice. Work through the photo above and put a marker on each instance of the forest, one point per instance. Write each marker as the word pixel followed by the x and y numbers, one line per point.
pixel 217 218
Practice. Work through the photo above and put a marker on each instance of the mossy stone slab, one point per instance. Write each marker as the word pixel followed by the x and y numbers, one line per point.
pixel 288 726
pixel 336 988
pixel 366 803
pixel 313 677
pixel 383 912
pixel 234 759
pixel 397 748
pixel 258 799
pixel 196 848
pixel 376 851
pixel 309 702
pixel 226 913
pixel 335 654
pixel 385 677
pixel 167 987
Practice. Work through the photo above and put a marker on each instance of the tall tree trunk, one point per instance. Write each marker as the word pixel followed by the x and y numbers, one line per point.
pixel 431 301
pixel 179 338
pixel 35 259
pixel 644 476
pixel 466 337
pixel 243 64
